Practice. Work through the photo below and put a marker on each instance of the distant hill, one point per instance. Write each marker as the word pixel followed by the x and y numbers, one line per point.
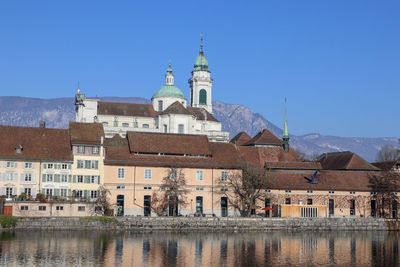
pixel 58 112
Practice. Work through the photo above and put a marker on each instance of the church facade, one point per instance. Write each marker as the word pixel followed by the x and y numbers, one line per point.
pixel 169 111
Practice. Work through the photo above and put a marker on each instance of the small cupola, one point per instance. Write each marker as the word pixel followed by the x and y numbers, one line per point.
pixel 19 149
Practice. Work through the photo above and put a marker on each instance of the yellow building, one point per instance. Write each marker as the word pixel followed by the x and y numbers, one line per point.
pixel 88 154
pixel 135 167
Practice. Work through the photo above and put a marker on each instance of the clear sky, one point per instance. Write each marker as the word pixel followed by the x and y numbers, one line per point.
pixel 337 62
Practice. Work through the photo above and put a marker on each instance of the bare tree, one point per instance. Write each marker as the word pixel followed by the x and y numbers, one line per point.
pixel 301 154
pixel 103 206
pixel 243 189
pixel 385 186
pixel 172 193
pixel 388 153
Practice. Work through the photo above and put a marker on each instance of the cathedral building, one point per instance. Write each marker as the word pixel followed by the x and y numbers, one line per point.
pixel 169 111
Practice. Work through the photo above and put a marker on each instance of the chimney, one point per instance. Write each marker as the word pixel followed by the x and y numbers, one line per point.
pixel 42 124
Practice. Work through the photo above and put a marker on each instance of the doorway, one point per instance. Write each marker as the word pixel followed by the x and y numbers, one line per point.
pixel 331 207
pixel 147 205
pixel 120 205
pixel 224 207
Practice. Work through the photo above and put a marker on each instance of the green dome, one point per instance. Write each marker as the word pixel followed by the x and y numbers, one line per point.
pixel 169 91
pixel 201 62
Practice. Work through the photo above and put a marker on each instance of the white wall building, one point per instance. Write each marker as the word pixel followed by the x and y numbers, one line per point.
pixel 168 112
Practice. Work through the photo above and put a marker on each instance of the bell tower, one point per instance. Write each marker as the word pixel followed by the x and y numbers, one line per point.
pixel 201 83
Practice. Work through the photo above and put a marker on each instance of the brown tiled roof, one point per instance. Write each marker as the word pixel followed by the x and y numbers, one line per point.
pixel 125 109
pixel 259 155
pixel 168 143
pixel 240 138
pixel 222 156
pixel 326 180
pixel 200 112
pixel 304 165
pixel 86 133
pixel 344 161
pixel 176 108
pixel 37 143
pixel 385 165
pixel 265 137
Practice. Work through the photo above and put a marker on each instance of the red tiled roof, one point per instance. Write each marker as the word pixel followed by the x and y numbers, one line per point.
pixel 265 137
pixel 304 165
pixel 176 108
pixel 259 155
pixel 344 161
pixel 326 180
pixel 86 133
pixel 222 156
pixel 240 139
pixel 125 109
pixel 168 143
pixel 36 143
pixel 202 114
pixel 385 165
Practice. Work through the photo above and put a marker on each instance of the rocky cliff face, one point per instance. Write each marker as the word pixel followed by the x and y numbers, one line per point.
pixel 23 111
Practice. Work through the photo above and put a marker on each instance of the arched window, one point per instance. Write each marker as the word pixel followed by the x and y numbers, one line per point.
pixel 203 97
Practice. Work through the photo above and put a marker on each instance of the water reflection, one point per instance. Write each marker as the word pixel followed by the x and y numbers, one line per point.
pixel 199 249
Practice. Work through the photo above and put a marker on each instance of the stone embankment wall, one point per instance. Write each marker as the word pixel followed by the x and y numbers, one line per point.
pixel 208 224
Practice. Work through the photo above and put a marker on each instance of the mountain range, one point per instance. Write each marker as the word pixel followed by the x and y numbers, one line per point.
pixel 58 112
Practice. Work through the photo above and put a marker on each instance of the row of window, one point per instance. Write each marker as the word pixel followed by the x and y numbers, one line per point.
pixel 82 149
pixel 13 164
pixel 173 174
pixel 309 191
pixel 87 164
pixel 63 178
pixel 57 166
pixel 126 124
pixel 58 208
pixel 68 193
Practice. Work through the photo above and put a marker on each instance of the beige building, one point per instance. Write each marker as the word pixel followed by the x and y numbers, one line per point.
pixel 25 152
pixel 88 153
pixel 135 167
pixel 45 209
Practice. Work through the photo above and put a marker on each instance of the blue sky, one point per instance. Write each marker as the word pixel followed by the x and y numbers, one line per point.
pixel 337 62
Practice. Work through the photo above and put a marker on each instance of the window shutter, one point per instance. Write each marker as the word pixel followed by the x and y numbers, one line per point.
pixel 22 178
pixel 44 178
pixel 69 192
pixel 21 190
pixel 56 192
pixel 33 178
pixel 96 164
pixel 98 179
pixel 85 193
pixel 44 191
pixel 69 166
pixel 15 177
pixel 69 178
pixel 87 179
pixel 33 165
pixel 74 180
pixel 44 166
pixel 57 178
pixel 34 192
pixel 16 165
pixel 14 191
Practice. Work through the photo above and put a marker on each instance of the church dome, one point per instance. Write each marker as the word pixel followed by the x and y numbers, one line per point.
pixel 169 90
pixel 201 62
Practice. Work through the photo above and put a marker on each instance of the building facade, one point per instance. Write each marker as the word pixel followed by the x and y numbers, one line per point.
pixel 168 112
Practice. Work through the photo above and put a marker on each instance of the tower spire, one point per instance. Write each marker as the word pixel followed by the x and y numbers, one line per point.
pixel 169 77
pixel 285 137
pixel 201 43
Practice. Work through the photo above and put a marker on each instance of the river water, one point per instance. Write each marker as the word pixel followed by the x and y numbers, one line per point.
pixel 79 248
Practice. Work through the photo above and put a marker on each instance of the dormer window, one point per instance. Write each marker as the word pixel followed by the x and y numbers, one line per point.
pixel 19 149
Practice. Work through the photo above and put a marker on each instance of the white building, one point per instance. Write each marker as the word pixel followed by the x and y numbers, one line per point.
pixel 168 112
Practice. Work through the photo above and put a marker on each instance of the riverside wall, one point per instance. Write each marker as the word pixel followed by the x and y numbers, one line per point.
pixel 182 224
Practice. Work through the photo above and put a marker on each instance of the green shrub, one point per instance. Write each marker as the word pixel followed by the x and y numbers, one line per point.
pixel 7 221
pixel 103 219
